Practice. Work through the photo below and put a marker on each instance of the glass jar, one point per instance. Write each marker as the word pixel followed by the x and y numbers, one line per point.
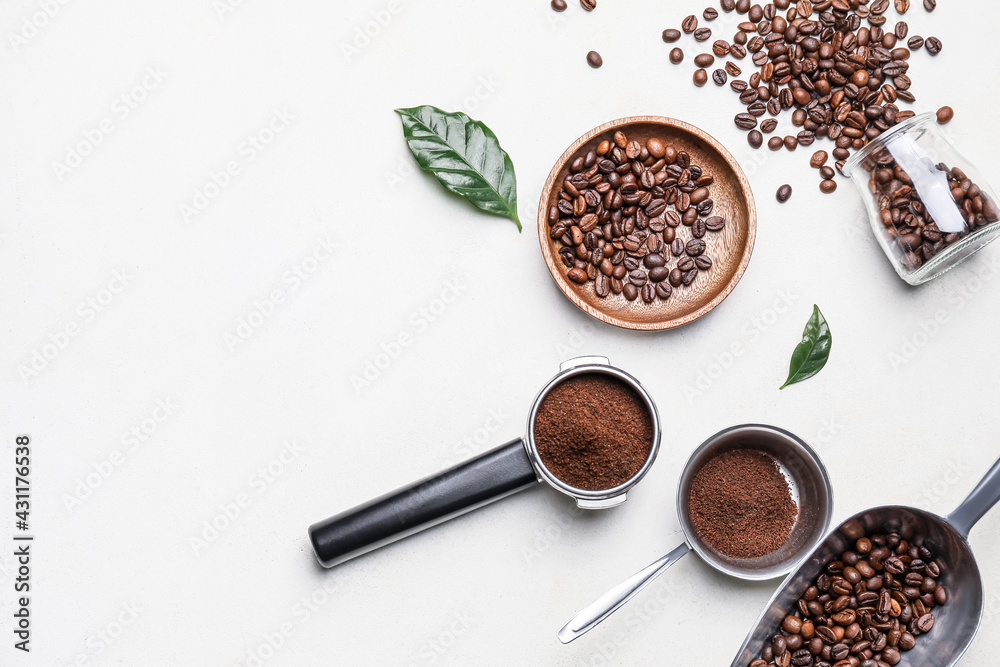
pixel 928 206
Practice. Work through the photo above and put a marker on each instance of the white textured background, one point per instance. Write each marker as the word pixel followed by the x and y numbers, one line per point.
pixel 903 413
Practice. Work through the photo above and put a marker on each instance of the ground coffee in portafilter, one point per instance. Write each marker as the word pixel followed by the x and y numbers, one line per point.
pixel 741 505
pixel 593 431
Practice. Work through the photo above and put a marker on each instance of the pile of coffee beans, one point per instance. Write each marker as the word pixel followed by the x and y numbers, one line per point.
pixel 840 79
pixel 866 608
pixel 906 217
pixel 621 215
pixel 593 431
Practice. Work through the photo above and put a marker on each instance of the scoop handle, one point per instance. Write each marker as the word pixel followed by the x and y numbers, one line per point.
pixel 418 506
pixel 607 604
pixel 983 497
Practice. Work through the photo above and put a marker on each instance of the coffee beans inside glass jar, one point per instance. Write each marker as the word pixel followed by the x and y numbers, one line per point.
pixel 921 219
pixel 632 218
pixel 868 606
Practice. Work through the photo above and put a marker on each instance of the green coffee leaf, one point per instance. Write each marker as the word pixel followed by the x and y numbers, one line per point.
pixel 811 354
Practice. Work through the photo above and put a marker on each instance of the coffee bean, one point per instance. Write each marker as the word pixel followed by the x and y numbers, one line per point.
pixel 594 59
pixel 695 247
pixel 944 114
pixel 784 192
pixel 589 5
pixel 915 42
pixel 703 34
pixel 930 5
pixel 676 55
pixel 719 77
pixel 733 69
pixel 768 125
pixel 704 60
pixel 700 77
pixel 676 278
pixel 602 285
pixel 663 290
pixel 630 291
pixel 745 121
pixel 677 247
pixel 671 35
pixel 755 138
pixel 579 276
pixel 703 263
pixel 818 159
pixel 826 172
pixel 727 5
pixel 720 48
pixel 742 6
pixel 790 142
pixel 558 5
pixel 710 14
pixel 827 186
pixel 775 143
pixel 689 24
pixel 714 223
pixel 689 276
pixel 932 44
pixel 902 6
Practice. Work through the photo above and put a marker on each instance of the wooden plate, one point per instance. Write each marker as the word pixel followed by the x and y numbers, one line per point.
pixel 729 248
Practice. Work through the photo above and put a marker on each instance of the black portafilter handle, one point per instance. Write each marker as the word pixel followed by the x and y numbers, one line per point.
pixel 479 481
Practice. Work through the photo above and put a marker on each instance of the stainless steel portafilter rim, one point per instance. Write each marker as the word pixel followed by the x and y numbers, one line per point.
pixel 602 498
pixel 809 480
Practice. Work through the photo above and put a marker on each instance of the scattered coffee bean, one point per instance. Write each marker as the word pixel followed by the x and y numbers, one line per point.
pixel 818 159
pixel 710 14
pixel 755 138
pixel 719 77
pixel 558 5
pixel 915 42
pixel 933 45
pixel 902 6
pixel 930 5
pixel 676 55
pixel 704 60
pixel 783 193
pixel 727 5
pixel 689 24
pixel 733 69
pixel 867 605
pixel 671 35
pixel 703 34
pixel 790 142
pixel 745 121
pixel 594 59
pixel 944 114
pixel 775 143
pixel 589 5
pixel 768 125
pixel 700 77
pixel 827 186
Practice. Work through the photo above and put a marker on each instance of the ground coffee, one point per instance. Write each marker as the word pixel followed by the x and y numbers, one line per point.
pixel 741 504
pixel 593 431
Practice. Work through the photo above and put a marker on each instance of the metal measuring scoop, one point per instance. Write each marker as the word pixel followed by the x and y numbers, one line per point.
pixel 479 481
pixel 955 623
pixel 811 490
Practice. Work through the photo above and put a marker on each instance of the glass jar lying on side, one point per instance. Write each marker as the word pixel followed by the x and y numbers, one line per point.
pixel 928 206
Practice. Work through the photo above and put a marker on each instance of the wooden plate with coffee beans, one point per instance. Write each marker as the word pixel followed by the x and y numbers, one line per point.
pixel 647 223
